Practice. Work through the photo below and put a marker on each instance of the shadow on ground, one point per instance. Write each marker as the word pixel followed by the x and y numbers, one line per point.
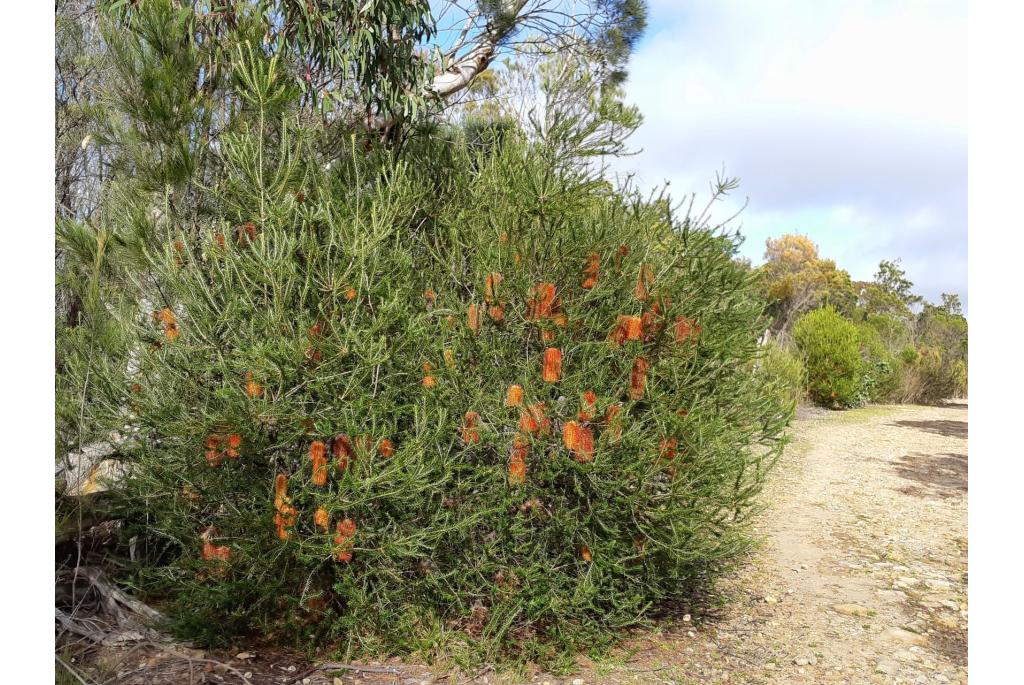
pixel 949 429
pixel 933 475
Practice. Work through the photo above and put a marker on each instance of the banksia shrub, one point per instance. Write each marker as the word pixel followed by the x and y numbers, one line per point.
pixel 435 466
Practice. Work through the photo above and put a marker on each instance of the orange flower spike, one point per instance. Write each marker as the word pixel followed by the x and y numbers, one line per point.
pixel 579 440
pixel 585 554
pixel 497 313
pixel 590 271
pixel 342 451
pixel 315 330
pixel 473 315
pixel 234 441
pixel 252 388
pixel 386 448
pixel 571 435
pixel 668 448
pixel 638 379
pixel 428 380
pixel 318 455
pixel 322 519
pixel 528 422
pixel 491 283
pixel 218 238
pixel 247 233
pixel 430 297
pixel 503 238
pixel 634 327
pixel 514 396
pixel 350 293
pixel 542 303
pixel 346 530
pixel 643 282
pixel 589 401
pixel 214 458
pixel 517 461
pixel 683 328
pixel 280 490
pixel 552 364
pixel 171 332
pixel 165 316
pixel 470 434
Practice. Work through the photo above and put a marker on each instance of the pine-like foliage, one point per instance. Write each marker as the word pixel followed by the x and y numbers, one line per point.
pixel 375 404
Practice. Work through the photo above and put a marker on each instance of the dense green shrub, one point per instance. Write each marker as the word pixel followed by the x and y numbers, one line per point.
pixel 387 404
pixel 880 369
pixel 830 346
pixel 783 374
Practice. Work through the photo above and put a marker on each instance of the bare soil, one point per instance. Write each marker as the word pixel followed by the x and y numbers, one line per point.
pixel 861 578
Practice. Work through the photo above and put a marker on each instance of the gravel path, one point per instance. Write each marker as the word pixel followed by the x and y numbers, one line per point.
pixel 863 575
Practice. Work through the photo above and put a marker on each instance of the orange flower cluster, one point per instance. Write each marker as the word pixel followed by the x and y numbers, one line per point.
pixel 217 553
pixel 470 434
pixel 342 451
pixel 544 305
pixel 474 318
pixel 318 455
pixel 218 238
pixel 591 271
pixel 668 448
pixel 430 298
pixel 428 380
pixel 626 328
pixel 179 256
pixel 552 364
pixel 252 388
pixel 517 460
pixel 215 450
pixel 579 440
pixel 386 448
pixel 643 283
pixel 350 293
pixel 586 412
pixel 638 379
pixel 491 283
pixel 284 519
pixel 585 554
pixel 246 233
pixel 343 541
pixel 165 317
pixel 686 329
pixel 514 396
pixel 533 420
pixel 321 519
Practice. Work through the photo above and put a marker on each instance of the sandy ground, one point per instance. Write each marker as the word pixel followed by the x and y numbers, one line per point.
pixel 862 577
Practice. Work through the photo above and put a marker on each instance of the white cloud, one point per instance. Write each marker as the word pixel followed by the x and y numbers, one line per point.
pixel 845 120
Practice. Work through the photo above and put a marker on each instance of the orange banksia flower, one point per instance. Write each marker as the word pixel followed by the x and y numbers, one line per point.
pixel 497 313
pixel 218 238
pixel 246 233
pixel 350 293
pixel 491 283
pixel 318 455
pixel 171 332
pixel 216 553
pixel 514 396
pixel 586 412
pixel 585 554
pixel 547 335
pixel 686 329
pixel 682 413
pixel 428 380
pixel 590 271
pixel 533 420
pixel 342 451
pixel 626 328
pixel 542 303
pixel 643 283
pixel 286 513
pixel 470 434
pixel 179 249
pixel 667 448
pixel 638 379
pixel 346 531
pixel 517 460
pixel 552 364
pixel 613 426
pixel 234 444
pixel 430 298
pixel 518 258
pixel 300 196
pixel 252 388
pixel 314 355
pixel 503 238
pixel 473 315
pixel 386 448
pixel 322 519
pixel 315 330
pixel 579 440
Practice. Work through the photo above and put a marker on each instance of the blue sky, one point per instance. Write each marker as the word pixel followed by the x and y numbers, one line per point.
pixel 845 120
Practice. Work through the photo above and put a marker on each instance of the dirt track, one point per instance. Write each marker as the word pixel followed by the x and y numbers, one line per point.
pixel 863 577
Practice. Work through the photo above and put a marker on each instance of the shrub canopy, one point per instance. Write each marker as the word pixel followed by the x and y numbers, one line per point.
pixel 830 346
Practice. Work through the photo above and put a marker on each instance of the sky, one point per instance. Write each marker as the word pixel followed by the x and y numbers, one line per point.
pixel 845 121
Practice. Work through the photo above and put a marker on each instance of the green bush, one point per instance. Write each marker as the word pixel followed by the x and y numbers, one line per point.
pixel 880 369
pixel 386 406
pixel 830 346
pixel 783 375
